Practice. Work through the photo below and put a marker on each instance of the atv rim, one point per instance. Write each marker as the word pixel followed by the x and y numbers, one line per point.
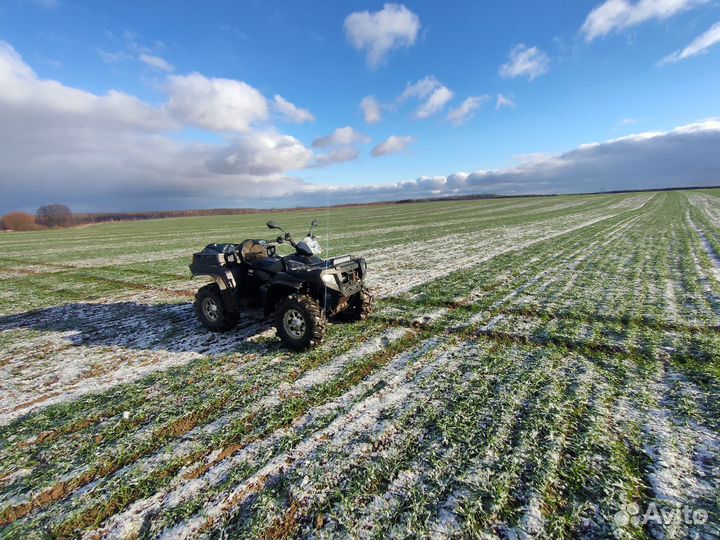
pixel 294 323
pixel 210 309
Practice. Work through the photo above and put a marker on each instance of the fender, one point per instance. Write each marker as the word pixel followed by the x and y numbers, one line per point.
pixel 225 281
pixel 272 292
pixel 287 278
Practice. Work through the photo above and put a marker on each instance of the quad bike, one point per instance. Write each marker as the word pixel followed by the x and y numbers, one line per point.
pixel 300 291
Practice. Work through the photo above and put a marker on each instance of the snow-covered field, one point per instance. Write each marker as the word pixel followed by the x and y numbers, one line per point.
pixel 535 368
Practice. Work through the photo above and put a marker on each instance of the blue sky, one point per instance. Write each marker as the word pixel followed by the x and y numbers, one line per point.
pixel 569 73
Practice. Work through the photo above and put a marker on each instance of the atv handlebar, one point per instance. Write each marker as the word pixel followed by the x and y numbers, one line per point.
pixel 281 239
pixel 287 238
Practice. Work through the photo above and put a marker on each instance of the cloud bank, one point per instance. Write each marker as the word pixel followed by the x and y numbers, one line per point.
pixel 116 152
pixel 685 156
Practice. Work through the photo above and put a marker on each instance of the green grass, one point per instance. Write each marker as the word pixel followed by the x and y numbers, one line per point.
pixel 567 363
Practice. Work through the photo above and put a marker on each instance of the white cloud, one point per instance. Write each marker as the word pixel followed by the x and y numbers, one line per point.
pixel 616 15
pixel 260 154
pixel 112 152
pixel 341 136
pixel 466 109
pixel 392 145
pixel 700 45
pixel 156 62
pixel 685 156
pixel 340 144
pixel 525 61
pixel 215 104
pixel 504 101
pixel 337 155
pixel 435 103
pixel 628 121
pixel 291 112
pixel 371 110
pixel 435 95
pixel 23 90
pixel 380 32
pixel 420 89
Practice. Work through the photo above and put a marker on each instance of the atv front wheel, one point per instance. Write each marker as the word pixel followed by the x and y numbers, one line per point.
pixel 300 322
pixel 211 310
pixel 360 308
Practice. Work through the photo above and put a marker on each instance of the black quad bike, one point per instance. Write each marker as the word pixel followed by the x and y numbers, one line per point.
pixel 301 291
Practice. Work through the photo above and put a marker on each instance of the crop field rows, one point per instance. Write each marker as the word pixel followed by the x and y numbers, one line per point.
pixel 533 365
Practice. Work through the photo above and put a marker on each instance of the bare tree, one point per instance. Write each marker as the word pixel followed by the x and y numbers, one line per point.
pixel 54 215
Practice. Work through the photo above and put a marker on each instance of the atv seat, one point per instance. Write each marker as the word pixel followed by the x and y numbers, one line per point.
pixel 253 250
pixel 272 265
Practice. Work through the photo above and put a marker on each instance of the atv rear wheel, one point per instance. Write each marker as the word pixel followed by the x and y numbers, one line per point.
pixel 211 310
pixel 300 322
pixel 360 307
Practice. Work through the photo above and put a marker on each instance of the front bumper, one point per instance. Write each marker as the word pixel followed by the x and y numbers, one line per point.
pixel 345 277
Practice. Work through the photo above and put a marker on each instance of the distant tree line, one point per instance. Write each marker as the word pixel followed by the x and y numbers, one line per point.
pixel 101 217
pixel 59 215
pixel 160 214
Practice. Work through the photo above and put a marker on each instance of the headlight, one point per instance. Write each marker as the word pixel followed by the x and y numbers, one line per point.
pixel 329 279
